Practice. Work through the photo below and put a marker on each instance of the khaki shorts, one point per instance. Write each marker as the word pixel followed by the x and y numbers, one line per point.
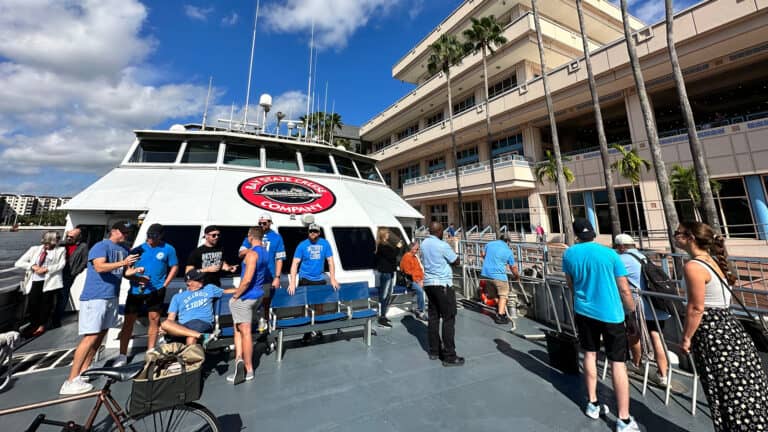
pixel 496 288
pixel 242 310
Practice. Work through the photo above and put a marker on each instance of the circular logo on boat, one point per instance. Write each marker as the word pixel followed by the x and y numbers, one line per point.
pixel 286 194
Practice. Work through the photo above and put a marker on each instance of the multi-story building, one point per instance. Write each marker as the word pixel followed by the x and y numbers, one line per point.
pixel 12 205
pixel 723 51
pixel 22 205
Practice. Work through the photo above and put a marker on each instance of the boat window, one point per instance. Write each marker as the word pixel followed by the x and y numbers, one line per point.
pixel 316 161
pixel 156 151
pixel 201 152
pixel 282 158
pixel 345 166
pixel 356 247
pixel 368 171
pixel 244 155
pixel 292 236
pixel 92 234
pixel 183 238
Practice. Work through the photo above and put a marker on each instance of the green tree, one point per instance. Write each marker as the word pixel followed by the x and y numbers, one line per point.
pixel 548 170
pixel 699 164
pixel 630 165
pixel 484 34
pixel 562 191
pixel 613 206
pixel 447 52
pixel 662 179
pixel 685 186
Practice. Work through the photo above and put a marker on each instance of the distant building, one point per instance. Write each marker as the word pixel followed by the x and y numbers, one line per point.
pixel 12 205
pixel 352 135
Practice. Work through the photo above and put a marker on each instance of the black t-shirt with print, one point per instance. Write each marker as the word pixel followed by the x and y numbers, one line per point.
pixel 206 256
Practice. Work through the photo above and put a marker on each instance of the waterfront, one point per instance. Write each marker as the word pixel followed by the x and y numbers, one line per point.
pixel 13 244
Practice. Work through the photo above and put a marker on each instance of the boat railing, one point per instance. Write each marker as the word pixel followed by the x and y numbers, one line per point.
pixel 10 276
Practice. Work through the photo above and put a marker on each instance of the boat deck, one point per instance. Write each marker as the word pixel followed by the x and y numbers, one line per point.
pixel 340 385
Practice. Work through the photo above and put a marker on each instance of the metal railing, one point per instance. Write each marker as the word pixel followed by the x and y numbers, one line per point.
pixel 499 162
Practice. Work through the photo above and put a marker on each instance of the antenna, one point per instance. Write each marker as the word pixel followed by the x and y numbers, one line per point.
pixel 250 65
pixel 207 98
pixel 333 114
pixel 309 79
pixel 280 116
pixel 231 115
pixel 315 105
pixel 325 113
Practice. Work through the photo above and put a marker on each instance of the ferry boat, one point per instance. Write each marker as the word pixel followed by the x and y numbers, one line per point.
pixel 192 176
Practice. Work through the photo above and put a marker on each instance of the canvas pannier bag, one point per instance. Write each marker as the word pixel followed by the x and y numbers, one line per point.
pixel 172 375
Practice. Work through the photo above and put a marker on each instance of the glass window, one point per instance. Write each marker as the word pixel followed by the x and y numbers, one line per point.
pixel 243 155
pixel 467 156
pixel 184 239
pixel 733 205
pixel 406 173
pixel 436 165
pixel 410 130
pixel 356 247
pixel 292 236
pixel 510 144
pixel 156 151
pixel 201 152
pixel 380 144
pixel 345 166
pixel 368 171
pixel 631 218
pixel 282 158
pixel 473 214
pixel 316 161
pixel 435 118
pixel 502 86
pixel 514 213
pixel 464 105
pixel 439 213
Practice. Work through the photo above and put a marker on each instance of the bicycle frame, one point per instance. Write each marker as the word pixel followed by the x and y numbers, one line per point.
pixel 103 398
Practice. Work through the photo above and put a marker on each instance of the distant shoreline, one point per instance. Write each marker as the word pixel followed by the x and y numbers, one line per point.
pixel 33 228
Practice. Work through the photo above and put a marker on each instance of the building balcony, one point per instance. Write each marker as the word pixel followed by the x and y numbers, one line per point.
pixel 513 172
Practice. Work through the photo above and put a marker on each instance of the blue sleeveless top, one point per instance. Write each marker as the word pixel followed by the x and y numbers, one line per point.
pixel 255 290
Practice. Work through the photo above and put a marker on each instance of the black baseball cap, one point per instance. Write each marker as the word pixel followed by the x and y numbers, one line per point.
pixel 195 275
pixel 583 229
pixel 155 231
pixel 211 228
pixel 124 227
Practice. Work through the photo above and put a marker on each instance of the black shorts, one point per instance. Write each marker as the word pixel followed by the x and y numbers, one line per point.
pixel 153 301
pixel 305 282
pixel 614 336
pixel 652 327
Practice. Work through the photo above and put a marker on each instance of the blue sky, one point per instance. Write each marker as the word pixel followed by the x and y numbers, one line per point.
pixel 75 84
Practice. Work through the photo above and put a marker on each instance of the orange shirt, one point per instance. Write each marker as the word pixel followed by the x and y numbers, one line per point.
pixel 411 266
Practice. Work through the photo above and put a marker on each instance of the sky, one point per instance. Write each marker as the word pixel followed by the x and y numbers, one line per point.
pixel 78 76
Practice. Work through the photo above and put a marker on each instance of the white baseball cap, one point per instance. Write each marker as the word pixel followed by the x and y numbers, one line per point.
pixel 623 240
pixel 265 216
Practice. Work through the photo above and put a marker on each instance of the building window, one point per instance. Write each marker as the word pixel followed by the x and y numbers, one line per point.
pixel 435 118
pixel 473 214
pixel 410 130
pixel 406 173
pixel 205 152
pixel 512 144
pixel 733 205
pixel 578 210
pixel 439 213
pixel 464 105
pixel 628 213
pixel 356 247
pixel 436 165
pixel 515 214
pixel 502 86
pixel 380 144
pixel 467 156
pixel 156 151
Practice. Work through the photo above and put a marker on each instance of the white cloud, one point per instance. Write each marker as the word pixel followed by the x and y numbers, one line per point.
pixel 69 99
pixel 415 9
pixel 231 19
pixel 335 20
pixel 197 12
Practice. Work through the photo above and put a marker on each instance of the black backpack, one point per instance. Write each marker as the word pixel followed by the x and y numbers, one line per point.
pixel 657 280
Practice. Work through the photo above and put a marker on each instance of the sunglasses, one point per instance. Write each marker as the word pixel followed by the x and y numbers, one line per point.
pixel 214 235
pixel 679 233
pixel 263 223
pixel 314 231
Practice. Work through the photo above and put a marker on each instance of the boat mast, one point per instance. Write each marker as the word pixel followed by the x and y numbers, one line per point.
pixel 207 98
pixel 309 79
pixel 250 67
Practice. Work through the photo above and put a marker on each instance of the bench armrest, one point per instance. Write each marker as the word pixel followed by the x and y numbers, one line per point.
pixel 311 314
pixel 348 309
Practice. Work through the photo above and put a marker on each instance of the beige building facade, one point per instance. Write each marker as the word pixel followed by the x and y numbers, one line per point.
pixel 723 51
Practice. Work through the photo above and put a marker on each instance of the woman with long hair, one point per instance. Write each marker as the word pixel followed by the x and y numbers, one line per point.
pixel 44 264
pixel 726 359
pixel 387 245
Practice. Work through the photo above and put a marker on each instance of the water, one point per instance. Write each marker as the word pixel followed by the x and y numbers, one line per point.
pixel 14 244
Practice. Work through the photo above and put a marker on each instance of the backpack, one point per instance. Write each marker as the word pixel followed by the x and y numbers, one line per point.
pixel 657 280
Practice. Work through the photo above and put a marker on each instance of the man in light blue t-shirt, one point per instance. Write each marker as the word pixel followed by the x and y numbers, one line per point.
pixel 309 259
pixel 497 259
pixel 601 294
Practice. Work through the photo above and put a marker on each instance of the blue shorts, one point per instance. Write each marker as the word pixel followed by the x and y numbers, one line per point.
pixel 96 315
pixel 199 326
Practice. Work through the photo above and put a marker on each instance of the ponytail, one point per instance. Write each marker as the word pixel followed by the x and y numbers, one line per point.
pixel 718 252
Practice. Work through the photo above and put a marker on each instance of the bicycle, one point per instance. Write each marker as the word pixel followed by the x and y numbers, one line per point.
pixel 190 416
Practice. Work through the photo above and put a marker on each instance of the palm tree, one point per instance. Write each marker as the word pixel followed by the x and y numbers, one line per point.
pixel 613 206
pixel 562 192
pixel 484 34
pixel 332 123
pixel 630 165
pixel 697 153
pixel 684 182
pixel 447 52
pixel 547 170
pixel 670 213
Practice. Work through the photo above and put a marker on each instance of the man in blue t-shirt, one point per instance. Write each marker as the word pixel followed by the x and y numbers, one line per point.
pixel 497 259
pixel 308 261
pixel 158 259
pixel 108 261
pixel 190 315
pixel 601 294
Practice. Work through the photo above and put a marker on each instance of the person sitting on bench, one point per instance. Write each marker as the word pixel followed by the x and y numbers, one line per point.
pixel 190 315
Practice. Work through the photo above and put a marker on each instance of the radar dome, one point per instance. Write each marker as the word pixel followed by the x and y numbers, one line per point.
pixel 178 128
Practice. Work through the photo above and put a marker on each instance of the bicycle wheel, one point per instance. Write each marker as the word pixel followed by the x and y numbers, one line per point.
pixel 191 417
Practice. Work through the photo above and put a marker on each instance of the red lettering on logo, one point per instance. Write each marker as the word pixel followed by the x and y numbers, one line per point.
pixel 286 194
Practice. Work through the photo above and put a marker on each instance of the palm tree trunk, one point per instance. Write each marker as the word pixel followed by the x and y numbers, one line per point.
pixel 565 207
pixel 637 215
pixel 697 153
pixel 722 217
pixel 455 162
pixel 495 217
pixel 667 202
pixel 613 206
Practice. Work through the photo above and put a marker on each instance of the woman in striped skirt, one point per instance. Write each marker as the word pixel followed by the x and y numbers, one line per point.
pixel 731 373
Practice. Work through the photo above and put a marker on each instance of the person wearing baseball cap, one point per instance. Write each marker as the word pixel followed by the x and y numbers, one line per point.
pixel 190 315
pixel 633 259
pixel 602 298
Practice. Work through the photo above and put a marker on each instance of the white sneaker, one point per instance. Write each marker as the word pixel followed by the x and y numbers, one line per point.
pixel 84 379
pixel 627 427
pixel 262 325
pixel 595 411
pixel 659 380
pixel 74 387
pixel 121 360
